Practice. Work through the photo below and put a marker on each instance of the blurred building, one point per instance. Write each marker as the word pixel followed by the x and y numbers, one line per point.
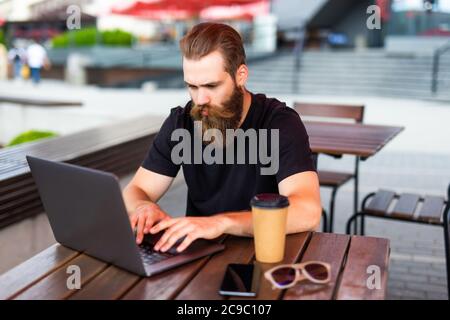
pixel 411 24
pixel 39 19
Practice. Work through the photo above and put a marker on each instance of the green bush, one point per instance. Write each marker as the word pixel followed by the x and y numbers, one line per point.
pixel 88 37
pixel 31 135
pixel 117 38
pixel 2 37
pixel 84 37
pixel 60 41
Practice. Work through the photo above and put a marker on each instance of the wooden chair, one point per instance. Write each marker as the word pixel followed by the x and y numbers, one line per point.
pixel 334 179
pixel 405 207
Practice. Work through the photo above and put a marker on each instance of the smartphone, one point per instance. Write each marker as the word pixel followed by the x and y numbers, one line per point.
pixel 241 280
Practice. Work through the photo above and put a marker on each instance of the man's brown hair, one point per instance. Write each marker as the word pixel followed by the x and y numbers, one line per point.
pixel 207 37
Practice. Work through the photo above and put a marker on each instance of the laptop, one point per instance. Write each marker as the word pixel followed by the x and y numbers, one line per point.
pixel 87 213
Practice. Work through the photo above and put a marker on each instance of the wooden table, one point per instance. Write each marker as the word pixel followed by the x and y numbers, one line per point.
pixel 45 275
pixel 360 140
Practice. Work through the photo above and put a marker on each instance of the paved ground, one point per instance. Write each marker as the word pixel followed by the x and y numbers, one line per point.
pixel 416 161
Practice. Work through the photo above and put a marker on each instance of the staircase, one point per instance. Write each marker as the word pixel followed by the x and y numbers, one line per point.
pixel 367 73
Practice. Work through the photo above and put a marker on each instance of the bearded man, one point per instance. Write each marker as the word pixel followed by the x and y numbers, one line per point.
pixel 219 194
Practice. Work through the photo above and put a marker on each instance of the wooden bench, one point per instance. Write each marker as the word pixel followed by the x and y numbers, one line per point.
pixel 351 258
pixel 408 207
pixel 333 179
pixel 119 148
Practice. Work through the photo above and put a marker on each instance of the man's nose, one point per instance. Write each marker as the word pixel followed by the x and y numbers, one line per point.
pixel 202 97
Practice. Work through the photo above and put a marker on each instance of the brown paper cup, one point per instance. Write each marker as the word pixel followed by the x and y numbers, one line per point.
pixel 269 215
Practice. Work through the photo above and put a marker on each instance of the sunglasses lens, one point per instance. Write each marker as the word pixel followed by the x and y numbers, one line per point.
pixel 284 276
pixel 317 271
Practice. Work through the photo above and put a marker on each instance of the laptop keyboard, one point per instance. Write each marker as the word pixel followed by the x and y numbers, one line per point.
pixel 150 256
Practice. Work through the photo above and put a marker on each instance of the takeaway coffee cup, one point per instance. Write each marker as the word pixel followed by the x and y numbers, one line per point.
pixel 269 214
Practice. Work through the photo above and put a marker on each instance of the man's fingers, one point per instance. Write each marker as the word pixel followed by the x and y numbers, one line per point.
pixel 140 228
pixel 163 224
pixel 149 222
pixel 133 220
pixel 175 236
pixel 187 242
pixel 168 233
pixel 152 222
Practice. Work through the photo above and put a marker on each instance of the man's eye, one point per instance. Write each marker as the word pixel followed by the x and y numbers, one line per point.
pixel 192 87
pixel 211 86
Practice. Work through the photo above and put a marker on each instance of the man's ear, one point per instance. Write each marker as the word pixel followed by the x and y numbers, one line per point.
pixel 241 75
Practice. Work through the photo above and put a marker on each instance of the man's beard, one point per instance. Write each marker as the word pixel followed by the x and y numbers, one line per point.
pixel 227 116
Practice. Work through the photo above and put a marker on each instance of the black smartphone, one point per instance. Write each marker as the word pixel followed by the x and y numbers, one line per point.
pixel 241 280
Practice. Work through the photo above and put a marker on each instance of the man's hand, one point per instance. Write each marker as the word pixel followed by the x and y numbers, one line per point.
pixel 191 227
pixel 144 217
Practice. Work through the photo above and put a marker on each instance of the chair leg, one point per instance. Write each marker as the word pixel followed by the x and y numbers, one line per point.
pixel 324 221
pixel 362 225
pixel 447 239
pixel 333 196
pixel 356 195
pixel 447 254
pixel 353 221
pixel 349 224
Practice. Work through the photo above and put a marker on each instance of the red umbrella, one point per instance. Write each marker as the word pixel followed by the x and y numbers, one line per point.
pixel 178 9
pixel 156 10
pixel 237 12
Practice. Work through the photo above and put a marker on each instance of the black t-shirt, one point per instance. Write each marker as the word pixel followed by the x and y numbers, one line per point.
pixel 215 188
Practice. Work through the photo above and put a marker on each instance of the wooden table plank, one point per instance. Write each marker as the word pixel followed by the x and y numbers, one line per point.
pixel 325 247
pixel 349 138
pixel 112 283
pixel 337 142
pixel 364 252
pixel 336 127
pixel 295 246
pixel 167 285
pixel 31 271
pixel 54 286
pixel 205 285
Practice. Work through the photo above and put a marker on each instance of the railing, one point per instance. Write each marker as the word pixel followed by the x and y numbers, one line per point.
pixel 436 62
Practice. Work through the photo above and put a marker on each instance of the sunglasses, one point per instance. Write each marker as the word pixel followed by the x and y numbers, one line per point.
pixel 287 275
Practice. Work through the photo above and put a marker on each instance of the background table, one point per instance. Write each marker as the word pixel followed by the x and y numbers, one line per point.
pixel 360 140
pixel 45 275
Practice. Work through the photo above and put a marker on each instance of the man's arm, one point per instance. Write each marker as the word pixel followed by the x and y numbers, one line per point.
pixel 141 195
pixel 304 214
pixel 304 211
